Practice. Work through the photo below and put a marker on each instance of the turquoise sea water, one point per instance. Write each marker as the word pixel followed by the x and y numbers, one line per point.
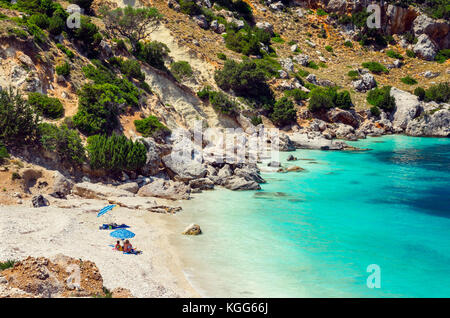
pixel 313 233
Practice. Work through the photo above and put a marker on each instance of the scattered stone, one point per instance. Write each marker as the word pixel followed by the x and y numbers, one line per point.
pixel 266 26
pixel 364 84
pixel 291 158
pixel 201 21
pixel 302 59
pixel 193 229
pixel 294 169
pixel 236 183
pixel 39 201
pixel 425 48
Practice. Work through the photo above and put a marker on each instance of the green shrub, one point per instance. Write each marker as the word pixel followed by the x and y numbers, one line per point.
pixel 381 98
pixel 100 74
pixel 313 65
pixel 15 176
pixel 222 56
pixel 268 65
pixel 320 12
pixel 7 264
pixel 18 120
pixel 204 93
pixel 66 51
pixel 246 80
pixel 375 67
pixel 442 56
pixel 130 68
pixel 181 70
pixel 152 53
pixel 63 69
pixel 408 80
pixel 375 111
pixel 283 112
pixel 410 53
pixel 328 48
pixel 40 20
pixel 302 73
pixel 222 103
pixel 420 93
pixel 3 152
pixel 115 153
pixel 326 98
pixel 189 7
pixel 247 40
pixel 65 142
pixel 56 25
pixel 394 55
pixel 296 94
pixel 48 106
pixel 87 33
pixel 151 127
pixel 256 120
pixel 439 93
pixel 353 74
pixel 348 44
pixel 98 107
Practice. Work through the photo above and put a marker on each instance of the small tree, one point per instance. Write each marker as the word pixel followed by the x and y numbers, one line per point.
pixel 283 112
pixel 18 120
pixel 135 24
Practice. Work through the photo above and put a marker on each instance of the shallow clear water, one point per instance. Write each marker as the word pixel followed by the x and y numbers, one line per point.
pixel 313 233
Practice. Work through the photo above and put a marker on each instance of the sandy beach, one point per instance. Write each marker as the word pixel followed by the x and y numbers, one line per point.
pixel 71 227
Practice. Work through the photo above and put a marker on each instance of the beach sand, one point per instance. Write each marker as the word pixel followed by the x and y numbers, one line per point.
pixel 74 231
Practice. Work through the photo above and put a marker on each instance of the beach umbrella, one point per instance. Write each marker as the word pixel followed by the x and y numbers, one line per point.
pixel 122 234
pixel 106 209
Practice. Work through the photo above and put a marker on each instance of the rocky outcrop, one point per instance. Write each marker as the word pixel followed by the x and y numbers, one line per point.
pixel 192 229
pixel 364 84
pixel 399 19
pixel 346 117
pixel 61 184
pixel 184 169
pixel 98 191
pixel 132 187
pixel 202 184
pixel 167 189
pixel 314 140
pixel 425 48
pixel 236 183
pixel 434 123
pixel 437 30
pixel 407 108
pixel 61 276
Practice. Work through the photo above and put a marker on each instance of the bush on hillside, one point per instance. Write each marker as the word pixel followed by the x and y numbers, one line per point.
pixel 18 120
pixel 3 152
pixel 49 107
pixel 326 98
pixel 439 93
pixel 394 55
pixel 181 70
pixel 375 111
pixel 115 153
pixel 296 94
pixel 381 97
pixel 63 69
pixel 408 80
pixel 151 127
pixel 283 112
pixel 246 80
pixel 222 103
pixel 65 142
pixel 98 107
pixel 153 53
pixel 420 93
pixel 375 67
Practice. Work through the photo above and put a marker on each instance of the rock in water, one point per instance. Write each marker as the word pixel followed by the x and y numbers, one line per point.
pixel 193 229
pixel 407 108
pixel 39 201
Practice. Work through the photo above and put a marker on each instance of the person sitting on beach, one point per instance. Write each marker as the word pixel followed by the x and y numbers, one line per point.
pixel 127 247
pixel 118 246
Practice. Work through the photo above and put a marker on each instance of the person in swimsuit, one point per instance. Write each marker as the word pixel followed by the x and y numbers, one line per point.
pixel 118 246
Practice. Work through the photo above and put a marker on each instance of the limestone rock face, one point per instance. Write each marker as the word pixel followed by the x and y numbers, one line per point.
pixel 437 30
pixel 425 48
pixel 185 169
pixel 202 184
pixel 432 124
pixel 98 191
pixel 337 115
pixel 364 84
pixel 166 189
pixel 400 19
pixel 407 108
pixel 192 229
pixel 236 183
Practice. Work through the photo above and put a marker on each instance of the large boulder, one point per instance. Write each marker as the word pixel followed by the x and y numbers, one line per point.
pixel 437 30
pixel 425 48
pixel 184 169
pixel 132 187
pixel 237 183
pixel 167 189
pixel 192 229
pixel 202 184
pixel 407 108
pixel 39 201
pixel 266 26
pixel 314 140
pixel 338 6
pixel 154 153
pixel 364 84
pixel 61 184
pixel 249 173
pixel 346 117
pixel 98 191
pixel 434 123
